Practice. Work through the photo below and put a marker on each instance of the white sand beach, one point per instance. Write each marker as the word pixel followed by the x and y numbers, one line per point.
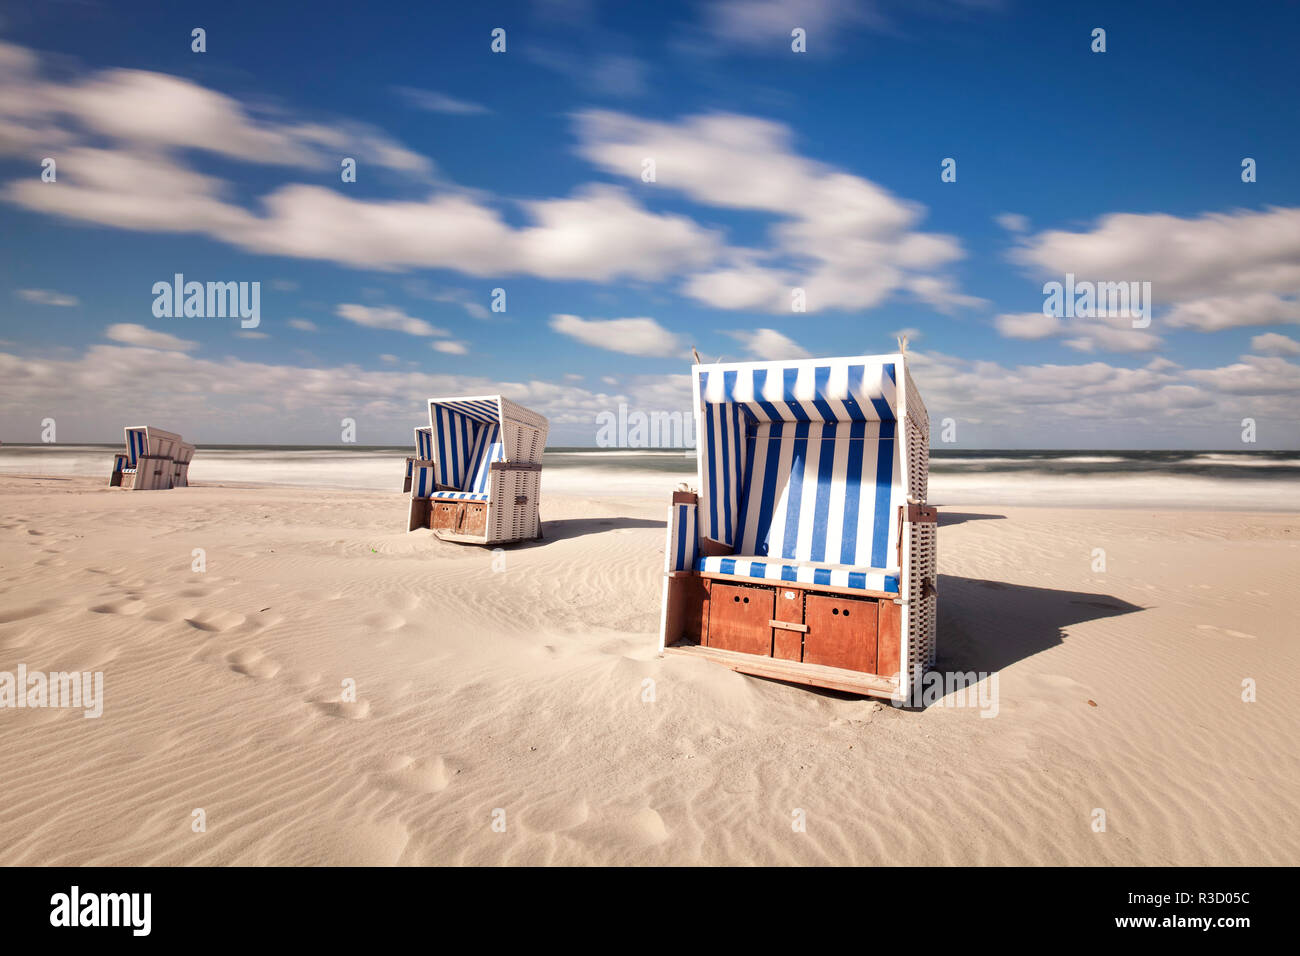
pixel 521 687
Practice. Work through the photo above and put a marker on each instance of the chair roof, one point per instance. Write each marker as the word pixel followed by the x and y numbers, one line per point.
pixel 860 388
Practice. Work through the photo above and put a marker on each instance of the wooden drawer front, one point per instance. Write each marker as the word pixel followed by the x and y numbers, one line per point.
pixel 474 520
pixel 841 632
pixel 740 619
pixel 889 639
pixel 787 644
pixel 445 515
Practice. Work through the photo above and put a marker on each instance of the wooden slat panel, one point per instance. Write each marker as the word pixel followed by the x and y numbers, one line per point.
pixel 738 619
pixel 787 645
pixel 833 678
pixel 889 626
pixel 841 633
pixel 474 518
pixel 444 516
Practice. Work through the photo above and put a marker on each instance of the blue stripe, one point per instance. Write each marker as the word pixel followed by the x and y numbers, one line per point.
pixel 858 579
pixel 712 479
pixel 794 490
pixel 821 380
pixel 767 499
pixel 822 503
pixel 851 403
pixel 768 407
pixel 727 566
pixel 884 483
pixel 729 386
pixel 789 572
pixel 822 576
pixel 891 583
pixel 889 370
pixel 742 518
pixel 681 538
pixel 852 494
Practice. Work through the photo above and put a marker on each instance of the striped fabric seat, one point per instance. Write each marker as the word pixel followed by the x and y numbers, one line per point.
pixel 806 572
pixel 462 495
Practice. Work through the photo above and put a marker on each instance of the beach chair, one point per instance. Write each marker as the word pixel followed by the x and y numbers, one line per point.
pixel 481 480
pixel 423 452
pixel 149 462
pixel 808 552
pixel 181 465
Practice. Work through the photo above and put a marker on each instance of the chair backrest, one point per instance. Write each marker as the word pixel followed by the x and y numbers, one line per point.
pixel 487 449
pixel 821 491
pixel 137 444
pixel 424 443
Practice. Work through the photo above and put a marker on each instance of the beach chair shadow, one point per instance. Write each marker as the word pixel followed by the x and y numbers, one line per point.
pixel 562 528
pixel 958 517
pixel 987 625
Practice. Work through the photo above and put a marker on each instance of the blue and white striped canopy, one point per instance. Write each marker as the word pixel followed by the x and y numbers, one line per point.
pixel 831 390
pixel 482 408
pixel 466 439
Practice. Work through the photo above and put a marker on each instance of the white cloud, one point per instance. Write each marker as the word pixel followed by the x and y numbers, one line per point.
pixel 1028 325
pixel 451 347
pixel 148 338
pixel 1252 375
pixel 48 297
pixel 303 325
pixel 845 240
pixel 765 25
pixel 1275 343
pixel 639 336
pixel 768 344
pixel 387 318
pixel 436 102
pixel 1217 271
pixel 599 233
pixel 1012 222
pixel 1231 311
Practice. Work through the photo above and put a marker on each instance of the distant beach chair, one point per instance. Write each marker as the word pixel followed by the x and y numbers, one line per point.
pixel 480 480
pixel 808 553
pixel 423 452
pixel 150 460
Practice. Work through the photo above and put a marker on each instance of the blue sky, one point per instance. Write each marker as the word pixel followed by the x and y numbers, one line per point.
pixel 522 171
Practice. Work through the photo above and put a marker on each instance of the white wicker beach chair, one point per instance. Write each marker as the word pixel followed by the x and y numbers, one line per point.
pixel 481 480
pixel 150 460
pixel 808 553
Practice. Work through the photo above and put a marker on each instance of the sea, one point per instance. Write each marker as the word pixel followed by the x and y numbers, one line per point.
pixel 1211 480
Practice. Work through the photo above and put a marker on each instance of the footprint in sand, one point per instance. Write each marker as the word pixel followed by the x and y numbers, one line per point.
pixel 425 775
pixel 643 828
pixel 1224 631
pixel 384 621
pixel 215 620
pixel 349 710
pixel 128 607
pixel 20 613
pixel 555 815
pixel 252 663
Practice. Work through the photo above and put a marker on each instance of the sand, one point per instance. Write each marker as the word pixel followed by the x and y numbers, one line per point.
pixel 511 688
